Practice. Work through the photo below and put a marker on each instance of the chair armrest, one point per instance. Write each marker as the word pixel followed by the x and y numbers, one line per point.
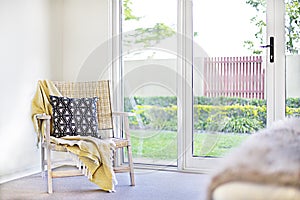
pixel 125 116
pixel 46 134
pixel 128 114
pixel 43 116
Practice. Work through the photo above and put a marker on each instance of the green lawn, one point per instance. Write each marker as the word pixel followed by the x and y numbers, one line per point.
pixel 163 144
pixel 153 144
pixel 216 145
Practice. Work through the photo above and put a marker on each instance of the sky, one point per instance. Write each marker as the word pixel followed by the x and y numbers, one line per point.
pixel 222 26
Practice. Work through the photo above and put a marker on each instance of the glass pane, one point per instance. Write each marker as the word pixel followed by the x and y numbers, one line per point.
pixel 149 68
pixel 292 17
pixel 228 74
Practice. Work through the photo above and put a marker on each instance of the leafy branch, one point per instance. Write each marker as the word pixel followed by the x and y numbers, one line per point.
pixel 292 25
pixel 147 36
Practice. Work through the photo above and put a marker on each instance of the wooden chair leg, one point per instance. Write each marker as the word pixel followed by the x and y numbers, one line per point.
pixel 130 162
pixel 49 170
pixel 115 162
pixel 42 161
pixel 50 190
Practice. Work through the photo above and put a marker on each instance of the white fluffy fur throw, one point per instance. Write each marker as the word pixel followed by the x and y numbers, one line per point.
pixel 270 156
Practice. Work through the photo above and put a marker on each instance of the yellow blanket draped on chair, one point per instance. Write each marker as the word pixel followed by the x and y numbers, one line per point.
pixel 94 153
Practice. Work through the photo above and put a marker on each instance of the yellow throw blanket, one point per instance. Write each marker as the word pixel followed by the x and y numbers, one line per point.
pixel 96 154
pixel 41 104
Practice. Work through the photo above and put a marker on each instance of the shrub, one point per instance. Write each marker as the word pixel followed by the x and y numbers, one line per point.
pixel 242 125
pixel 293 102
pixel 237 119
pixel 226 114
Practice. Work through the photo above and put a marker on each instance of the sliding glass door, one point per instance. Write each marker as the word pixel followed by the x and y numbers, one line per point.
pixel 228 76
pixel 233 77
pixel 292 58
pixel 196 76
pixel 149 78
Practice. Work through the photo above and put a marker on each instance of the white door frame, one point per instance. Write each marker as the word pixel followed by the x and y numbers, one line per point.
pixel 275 75
pixel 186 161
pixel 276 71
pixel 275 87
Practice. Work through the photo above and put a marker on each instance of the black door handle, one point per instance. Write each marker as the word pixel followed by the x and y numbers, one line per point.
pixel 271 45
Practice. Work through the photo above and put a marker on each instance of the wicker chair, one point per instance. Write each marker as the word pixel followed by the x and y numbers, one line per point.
pixel 101 90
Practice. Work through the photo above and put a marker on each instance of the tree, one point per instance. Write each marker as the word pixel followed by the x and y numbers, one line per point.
pixel 146 36
pixel 292 26
pixel 128 11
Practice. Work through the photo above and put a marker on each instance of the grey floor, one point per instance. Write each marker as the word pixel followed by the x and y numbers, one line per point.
pixel 150 184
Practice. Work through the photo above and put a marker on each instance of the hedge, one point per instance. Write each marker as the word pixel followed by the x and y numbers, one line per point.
pixel 164 101
pixel 234 115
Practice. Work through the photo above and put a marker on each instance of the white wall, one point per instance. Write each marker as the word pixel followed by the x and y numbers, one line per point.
pixel 43 39
pixel 85 39
pixel 292 76
pixel 30 38
pixel 150 77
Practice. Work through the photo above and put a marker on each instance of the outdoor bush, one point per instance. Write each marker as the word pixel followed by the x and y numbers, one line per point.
pixel 293 112
pixel 226 114
pixel 165 101
pixel 293 102
pixel 242 125
pixel 162 101
pixel 216 122
pixel 223 101
pixel 156 117
pixel 234 119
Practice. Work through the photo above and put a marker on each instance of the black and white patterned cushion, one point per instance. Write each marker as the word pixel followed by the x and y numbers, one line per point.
pixel 74 116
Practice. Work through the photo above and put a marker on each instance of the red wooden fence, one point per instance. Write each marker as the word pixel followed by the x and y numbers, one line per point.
pixel 234 77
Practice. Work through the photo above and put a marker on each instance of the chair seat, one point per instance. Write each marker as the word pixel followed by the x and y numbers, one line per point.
pixel 121 142
pixel 56 147
pixel 118 141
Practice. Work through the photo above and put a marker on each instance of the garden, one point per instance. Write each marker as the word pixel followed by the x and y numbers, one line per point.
pixel 219 124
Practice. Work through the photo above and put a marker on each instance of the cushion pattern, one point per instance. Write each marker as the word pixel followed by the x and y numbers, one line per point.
pixel 74 116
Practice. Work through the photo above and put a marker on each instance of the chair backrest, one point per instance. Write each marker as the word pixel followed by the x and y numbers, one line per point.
pixel 98 89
